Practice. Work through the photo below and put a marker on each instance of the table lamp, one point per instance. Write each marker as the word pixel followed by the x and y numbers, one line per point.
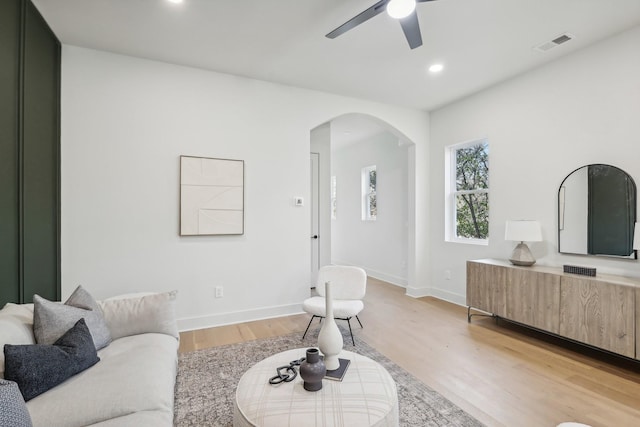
pixel 521 231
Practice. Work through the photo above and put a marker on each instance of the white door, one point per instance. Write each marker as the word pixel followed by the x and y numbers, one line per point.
pixel 315 217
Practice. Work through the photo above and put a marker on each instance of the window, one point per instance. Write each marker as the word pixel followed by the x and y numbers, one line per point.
pixel 369 199
pixel 468 192
pixel 334 198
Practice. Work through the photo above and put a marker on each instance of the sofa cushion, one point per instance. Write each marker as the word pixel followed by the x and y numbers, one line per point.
pixel 138 419
pixel 52 319
pixel 341 308
pixel 40 367
pixel 148 313
pixel 135 374
pixel 13 411
pixel 16 327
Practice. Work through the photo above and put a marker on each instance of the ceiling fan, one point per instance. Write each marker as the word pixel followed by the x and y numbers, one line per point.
pixel 403 10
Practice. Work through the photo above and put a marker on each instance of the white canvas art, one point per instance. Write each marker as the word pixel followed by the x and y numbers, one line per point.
pixel 211 196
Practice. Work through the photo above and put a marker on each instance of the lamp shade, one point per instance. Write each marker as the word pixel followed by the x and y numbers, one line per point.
pixel 523 231
pixel 636 236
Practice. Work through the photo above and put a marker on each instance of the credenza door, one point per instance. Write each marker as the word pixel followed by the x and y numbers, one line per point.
pixel 638 324
pixel 486 287
pixel 598 313
pixel 533 298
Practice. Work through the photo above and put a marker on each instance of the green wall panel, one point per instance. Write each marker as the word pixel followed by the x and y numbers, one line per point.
pixel 40 157
pixel 29 155
pixel 9 96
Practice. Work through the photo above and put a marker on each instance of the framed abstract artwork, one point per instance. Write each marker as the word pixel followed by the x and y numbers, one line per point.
pixel 211 196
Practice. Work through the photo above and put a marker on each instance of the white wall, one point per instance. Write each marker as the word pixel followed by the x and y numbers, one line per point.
pixel 126 121
pixel 581 109
pixel 380 246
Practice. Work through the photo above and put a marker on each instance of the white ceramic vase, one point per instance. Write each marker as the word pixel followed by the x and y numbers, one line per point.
pixel 330 338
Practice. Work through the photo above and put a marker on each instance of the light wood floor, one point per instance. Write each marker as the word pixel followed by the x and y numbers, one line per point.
pixel 502 374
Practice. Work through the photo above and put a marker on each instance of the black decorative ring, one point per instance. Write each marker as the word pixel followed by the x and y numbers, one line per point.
pixel 286 373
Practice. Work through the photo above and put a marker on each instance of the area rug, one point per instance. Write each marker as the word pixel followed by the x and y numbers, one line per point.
pixel 205 387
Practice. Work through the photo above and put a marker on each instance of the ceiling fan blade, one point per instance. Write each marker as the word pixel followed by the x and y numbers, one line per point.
pixel 374 10
pixel 423 1
pixel 411 28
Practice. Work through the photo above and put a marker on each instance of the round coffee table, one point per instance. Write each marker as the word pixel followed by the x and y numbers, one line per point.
pixel 366 396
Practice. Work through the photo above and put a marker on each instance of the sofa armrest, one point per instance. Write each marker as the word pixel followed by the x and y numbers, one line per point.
pixel 16 327
pixel 147 313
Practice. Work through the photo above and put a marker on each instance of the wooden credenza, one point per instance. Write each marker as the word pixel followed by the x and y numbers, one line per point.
pixel 601 311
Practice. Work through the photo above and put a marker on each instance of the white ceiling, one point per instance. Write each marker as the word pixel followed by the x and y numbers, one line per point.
pixel 480 42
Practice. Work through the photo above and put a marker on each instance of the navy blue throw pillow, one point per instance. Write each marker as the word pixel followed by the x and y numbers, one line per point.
pixel 40 367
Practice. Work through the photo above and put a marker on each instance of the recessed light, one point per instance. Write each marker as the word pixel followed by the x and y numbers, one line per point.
pixel 436 68
pixel 175 1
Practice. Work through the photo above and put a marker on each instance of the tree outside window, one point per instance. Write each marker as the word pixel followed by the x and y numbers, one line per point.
pixel 470 163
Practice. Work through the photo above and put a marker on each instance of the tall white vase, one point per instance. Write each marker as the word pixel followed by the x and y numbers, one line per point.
pixel 330 338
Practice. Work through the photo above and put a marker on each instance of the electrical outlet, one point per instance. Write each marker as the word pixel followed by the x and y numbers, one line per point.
pixel 447 274
pixel 219 291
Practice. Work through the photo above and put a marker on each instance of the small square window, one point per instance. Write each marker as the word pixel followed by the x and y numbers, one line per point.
pixel 369 196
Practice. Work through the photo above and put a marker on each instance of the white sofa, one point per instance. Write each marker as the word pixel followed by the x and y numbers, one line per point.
pixel 132 384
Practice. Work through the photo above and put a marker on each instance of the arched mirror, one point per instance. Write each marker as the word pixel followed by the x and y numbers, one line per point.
pixel 597 212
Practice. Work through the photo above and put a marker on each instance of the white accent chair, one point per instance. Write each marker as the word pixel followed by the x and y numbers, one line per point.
pixel 348 287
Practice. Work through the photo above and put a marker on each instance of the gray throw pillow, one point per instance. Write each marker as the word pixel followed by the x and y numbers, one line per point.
pixel 13 411
pixel 132 315
pixel 37 368
pixel 52 319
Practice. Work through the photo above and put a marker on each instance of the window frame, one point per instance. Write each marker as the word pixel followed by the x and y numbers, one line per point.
pixel 366 193
pixel 334 197
pixel 451 193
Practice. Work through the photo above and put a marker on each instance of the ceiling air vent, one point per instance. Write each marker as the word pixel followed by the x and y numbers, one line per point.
pixel 547 46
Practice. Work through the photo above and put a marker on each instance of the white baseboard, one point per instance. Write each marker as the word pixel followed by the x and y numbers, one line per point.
pixel 221 319
pixel 389 278
pixel 449 296
pixel 418 292
pixel 394 280
pixel 438 293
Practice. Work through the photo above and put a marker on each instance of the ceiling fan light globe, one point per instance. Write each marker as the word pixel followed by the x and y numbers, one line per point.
pixel 399 9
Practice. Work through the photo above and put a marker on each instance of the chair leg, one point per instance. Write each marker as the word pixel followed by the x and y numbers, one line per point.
pixel 351 332
pixel 307 330
pixel 359 321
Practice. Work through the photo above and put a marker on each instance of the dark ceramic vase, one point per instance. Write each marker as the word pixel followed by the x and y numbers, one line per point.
pixel 312 370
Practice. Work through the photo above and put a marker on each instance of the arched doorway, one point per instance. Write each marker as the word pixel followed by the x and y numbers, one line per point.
pixel 384 246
